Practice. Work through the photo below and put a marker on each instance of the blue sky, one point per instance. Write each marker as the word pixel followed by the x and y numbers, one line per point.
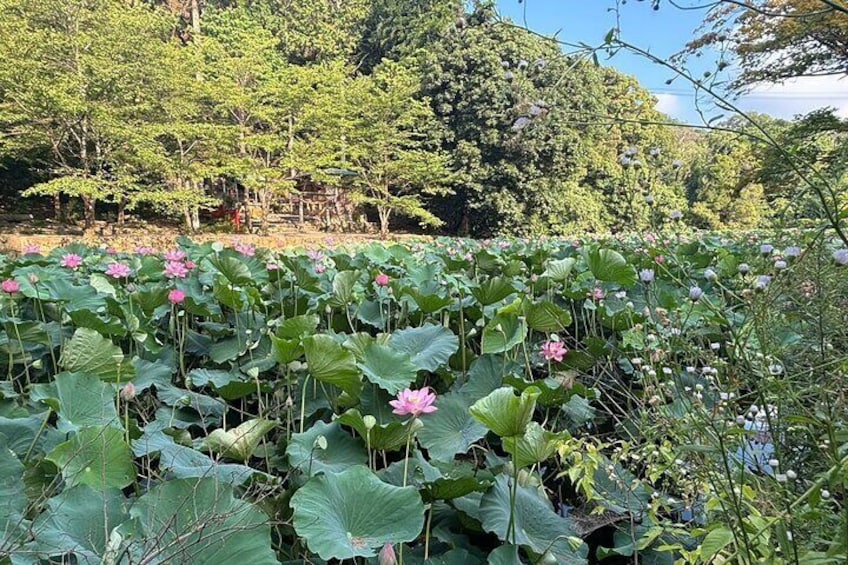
pixel 663 33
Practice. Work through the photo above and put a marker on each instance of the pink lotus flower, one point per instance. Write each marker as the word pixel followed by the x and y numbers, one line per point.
pixel 246 249
pixel 598 293
pixel 32 249
pixel 176 296
pixel 554 351
pixel 143 250
pixel 111 251
pixel 190 265
pixel 382 279
pixel 315 255
pixel 10 286
pixel 660 259
pixel 414 402
pixel 272 267
pixel 320 268
pixel 175 255
pixel 175 270
pixel 71 261
pixel 118 270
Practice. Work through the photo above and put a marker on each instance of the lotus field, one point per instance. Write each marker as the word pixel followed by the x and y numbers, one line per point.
pixel 657 399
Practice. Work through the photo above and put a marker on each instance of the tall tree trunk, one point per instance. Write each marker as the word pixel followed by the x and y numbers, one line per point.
pixel 384 214
pixel 122 208
pixel 88 204
pixel 57 208
pixel 195 17
pixel 265 203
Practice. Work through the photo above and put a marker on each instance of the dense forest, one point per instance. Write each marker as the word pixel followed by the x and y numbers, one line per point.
pixel 427 112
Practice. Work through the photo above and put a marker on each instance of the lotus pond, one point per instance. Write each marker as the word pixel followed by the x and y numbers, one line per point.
pixel 508 401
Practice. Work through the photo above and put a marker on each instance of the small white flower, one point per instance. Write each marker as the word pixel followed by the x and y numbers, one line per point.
pixel 740 420
pixel 825 494
pixel 774 463
pixel 710 275
pixel 780 477
pixel 791 475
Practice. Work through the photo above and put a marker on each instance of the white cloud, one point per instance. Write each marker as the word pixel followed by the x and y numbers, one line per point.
pixel 669 104
pixel 798 96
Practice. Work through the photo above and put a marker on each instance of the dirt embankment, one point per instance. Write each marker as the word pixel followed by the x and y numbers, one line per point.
pixel 158 238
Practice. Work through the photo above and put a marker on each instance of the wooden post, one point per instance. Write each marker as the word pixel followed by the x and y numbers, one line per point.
pixel 300 208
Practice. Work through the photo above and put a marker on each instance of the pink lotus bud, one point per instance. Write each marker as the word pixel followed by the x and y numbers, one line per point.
pixel 10 286
pixel 387 555
pixel 128 392
pixel 382 279
pixel 176 296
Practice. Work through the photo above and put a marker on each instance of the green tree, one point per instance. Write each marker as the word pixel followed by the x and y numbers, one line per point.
pixel 388 145
pixel 76 74
pixel 774 40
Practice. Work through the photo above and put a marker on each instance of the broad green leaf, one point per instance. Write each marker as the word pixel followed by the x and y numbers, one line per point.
pixel 559 269
pixel 233 270
pixel 451 430
pixel 714 542
pixel 503 332
pixel 535 446
pixel 546 317
pixel 78 520
pixel 389 436
pixel 89 352
pixel 343 289
pixel 329 362
pixel 353 514
pixel 493 290
pixel 239 443
pixel 430 346
pixel 298 326
pixel 387 368
pixel 13 499
pixel 198 521
pixel 504 413
pixel 537 526
pixel 610 266
pixel 85 401
pixel 507 554
pixel 95 456
pixel 306 453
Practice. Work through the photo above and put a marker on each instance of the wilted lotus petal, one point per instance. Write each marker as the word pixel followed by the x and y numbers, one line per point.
pixel 521 123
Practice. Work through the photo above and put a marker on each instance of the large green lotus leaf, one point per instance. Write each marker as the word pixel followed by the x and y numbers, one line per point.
pixel 487 374
pixel 493 290
pixel 546 317
pixel 535 446
pixel 95 456
pixel 507 554
pixel 451 429
pixel 23 434
pixel 387 368
pixel 77 522
pixel 239 443
pixel 537 526
pixel 233 270
pixel 430 345
pixel 429 303
pixel 190 521
pixel 559 269
pixel 306 453
pixel 286 350
pixel 610 266
pixel 344 284
pixel 353 514
pixel 388 437
pixel 185 462
pixel 503 332
pixel 85 401
pixel 104 325
pixel 13 500
pixel 298 326
pixel 230 385
pixel 329 362
pixel 89 352
pixel 504 413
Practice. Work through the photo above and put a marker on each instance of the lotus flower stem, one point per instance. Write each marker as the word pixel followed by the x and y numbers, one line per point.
pixel 303 402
